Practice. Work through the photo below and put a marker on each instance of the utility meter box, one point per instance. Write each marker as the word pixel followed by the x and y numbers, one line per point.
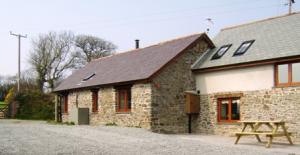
pixel 80 116
pixel 192 102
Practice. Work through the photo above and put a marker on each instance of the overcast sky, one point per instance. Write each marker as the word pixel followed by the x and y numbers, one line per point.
pixel 122 21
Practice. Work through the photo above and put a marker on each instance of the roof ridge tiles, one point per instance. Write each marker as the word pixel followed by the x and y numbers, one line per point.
pixel 156 44
pixel 258 21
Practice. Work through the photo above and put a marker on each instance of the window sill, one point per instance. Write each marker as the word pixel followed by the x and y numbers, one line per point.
pixel 287 86
pixel 95 112
pixel 229 123
pixel 65 113
pixel 123 112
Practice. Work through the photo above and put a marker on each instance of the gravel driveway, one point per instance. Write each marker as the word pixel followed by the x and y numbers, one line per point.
pixel 35 137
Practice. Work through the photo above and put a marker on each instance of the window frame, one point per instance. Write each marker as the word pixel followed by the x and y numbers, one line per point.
pixel 245 42
pixel 290 74
pixel 219 100
pixel 126 91
pixel 95 98
pixel 215 56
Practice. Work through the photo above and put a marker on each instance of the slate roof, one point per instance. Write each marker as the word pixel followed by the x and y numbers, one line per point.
pixel 134 65
pixel 276 37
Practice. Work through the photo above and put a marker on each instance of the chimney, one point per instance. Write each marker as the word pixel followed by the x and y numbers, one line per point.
pixel 137 44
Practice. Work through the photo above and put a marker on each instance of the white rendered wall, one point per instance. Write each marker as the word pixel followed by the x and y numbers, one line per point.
pixel 245 79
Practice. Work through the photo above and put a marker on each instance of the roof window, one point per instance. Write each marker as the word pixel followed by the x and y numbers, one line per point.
pixel 222 50
pixel 243 48
pixel 89 77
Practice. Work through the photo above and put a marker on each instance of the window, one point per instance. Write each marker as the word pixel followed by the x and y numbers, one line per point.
pixel 65 101
pixel 124 99
pixel 222 50
pixel 88 77
pixel 287 74
pixel 228 109
pixel 243 48
pixel 283 72
pixel 296 72
pixel 94 100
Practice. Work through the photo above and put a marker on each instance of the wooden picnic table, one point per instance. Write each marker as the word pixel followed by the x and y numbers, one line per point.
pixel 270 134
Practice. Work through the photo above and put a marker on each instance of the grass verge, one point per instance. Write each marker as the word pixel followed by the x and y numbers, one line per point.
pixel 2 104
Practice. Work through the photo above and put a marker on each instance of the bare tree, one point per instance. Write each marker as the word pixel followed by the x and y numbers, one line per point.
pixel 91 47
pixel 28 80
pixel 51 56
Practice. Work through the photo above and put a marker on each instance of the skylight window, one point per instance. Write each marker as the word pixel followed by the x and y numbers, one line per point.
pixel 89 77
pixel 243 48
pixel 222 50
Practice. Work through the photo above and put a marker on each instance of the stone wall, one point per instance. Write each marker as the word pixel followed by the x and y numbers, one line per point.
pixel 168 89
pixel 140 110
pixel 80 99
pixel 273 104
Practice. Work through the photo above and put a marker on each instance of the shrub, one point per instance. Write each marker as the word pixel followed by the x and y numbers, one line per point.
pixel 10 95
pixel 35 105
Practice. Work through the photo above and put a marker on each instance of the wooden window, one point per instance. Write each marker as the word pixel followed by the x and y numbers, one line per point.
pixel 296 72
pixel 94 100
pixel 228 109
pixel 124 99
pixel 222 50
pixel 65 99
pixel 287 74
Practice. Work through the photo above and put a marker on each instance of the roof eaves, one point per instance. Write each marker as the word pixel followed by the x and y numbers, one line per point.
pixel 249 64
pixel 159 44
pixel 100 85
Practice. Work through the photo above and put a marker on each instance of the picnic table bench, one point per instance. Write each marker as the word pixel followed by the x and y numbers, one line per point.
pixel 273 132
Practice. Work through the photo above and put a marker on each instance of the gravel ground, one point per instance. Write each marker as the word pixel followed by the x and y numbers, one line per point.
pixel 36 137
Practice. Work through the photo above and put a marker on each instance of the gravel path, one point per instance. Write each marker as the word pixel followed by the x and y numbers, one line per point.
pixel 35 137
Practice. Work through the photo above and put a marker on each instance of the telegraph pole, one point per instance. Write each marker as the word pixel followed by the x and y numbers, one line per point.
pixel 19 55
pixel 291 2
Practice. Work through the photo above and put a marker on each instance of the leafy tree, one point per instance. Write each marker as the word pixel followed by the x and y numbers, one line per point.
pixel 91 47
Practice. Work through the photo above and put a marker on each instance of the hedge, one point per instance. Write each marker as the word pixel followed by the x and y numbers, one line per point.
pixel 35 105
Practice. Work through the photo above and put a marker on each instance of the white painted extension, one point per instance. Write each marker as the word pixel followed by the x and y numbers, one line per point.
pixel 244 79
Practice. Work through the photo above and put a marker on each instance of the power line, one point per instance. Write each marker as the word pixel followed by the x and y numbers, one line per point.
pixel 19 55
pixel 166 19
pixel 147 15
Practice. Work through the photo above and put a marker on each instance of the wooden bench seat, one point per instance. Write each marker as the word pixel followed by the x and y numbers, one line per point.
pixel 252 133
pixel 278 134
pixel 263 133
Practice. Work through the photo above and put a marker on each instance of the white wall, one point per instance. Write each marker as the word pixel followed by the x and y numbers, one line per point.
pixel 245 79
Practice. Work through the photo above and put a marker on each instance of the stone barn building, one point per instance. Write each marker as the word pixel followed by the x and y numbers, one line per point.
pixel 143 87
